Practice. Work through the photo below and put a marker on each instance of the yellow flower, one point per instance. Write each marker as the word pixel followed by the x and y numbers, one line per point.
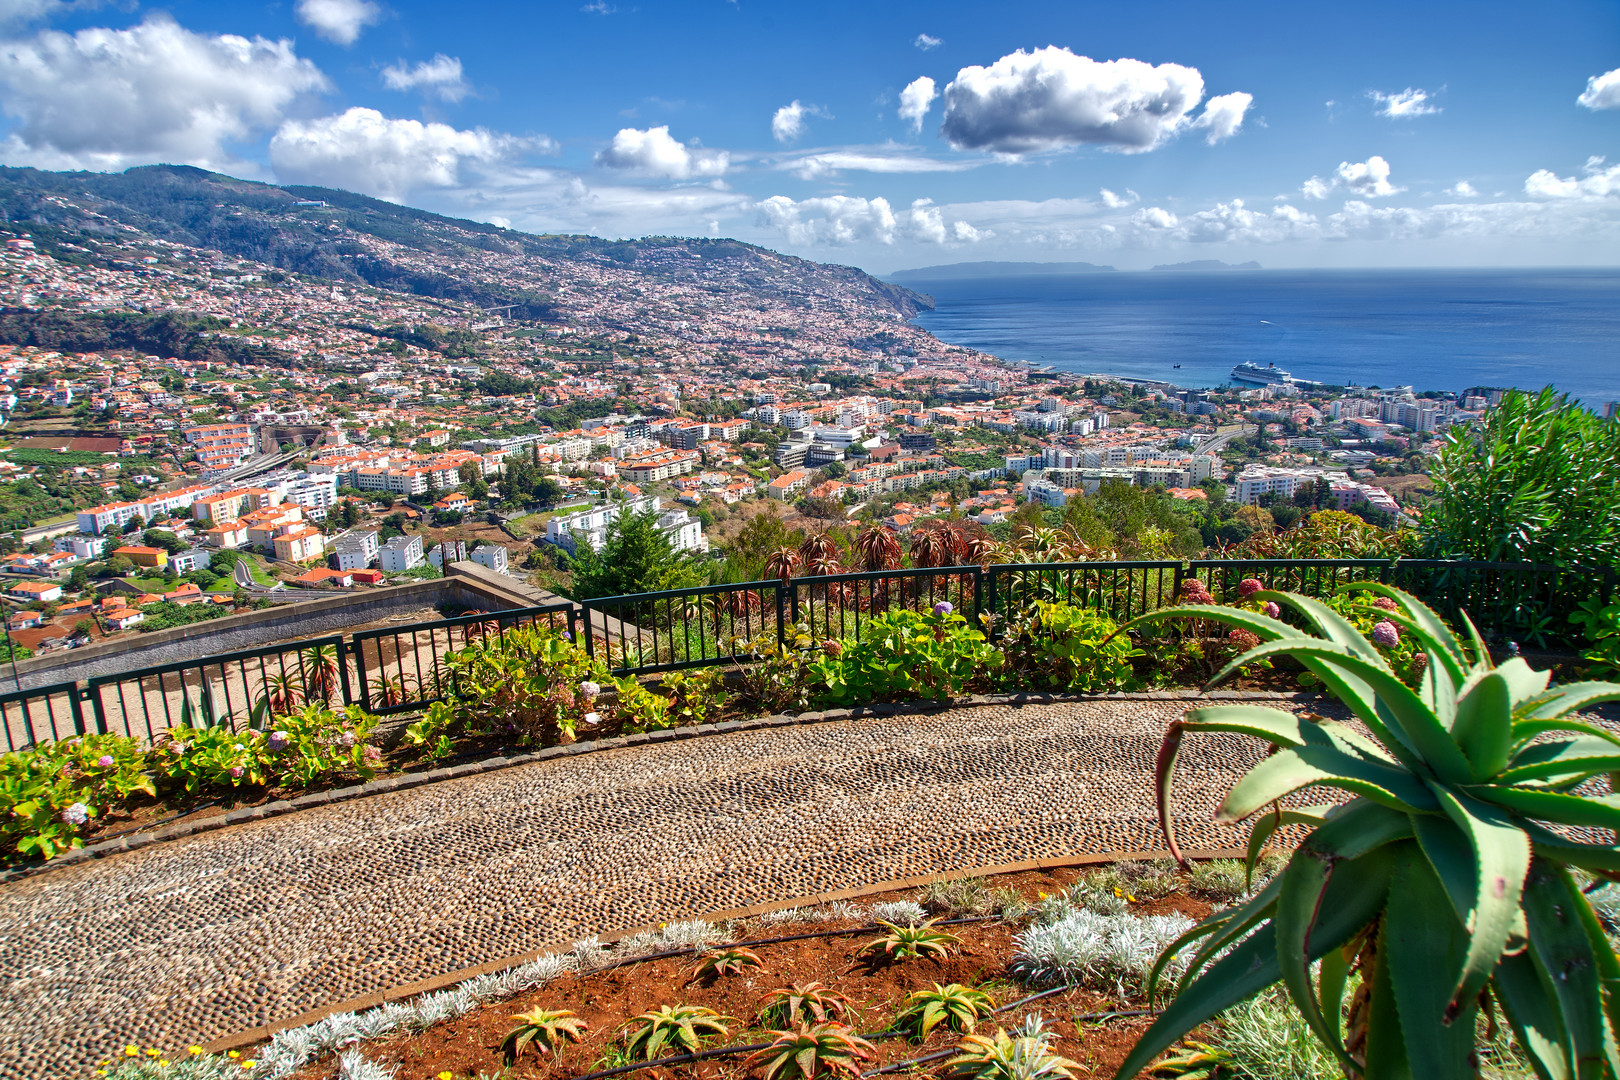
pixel 1132 899
pixel 164 1063
pixel 249 1063
pixel 232 1054
pixel 448 1075
pixel 101 1072
pixel 1041 896
pixel 194 1050
pixel 132 1051
pixel 152 1051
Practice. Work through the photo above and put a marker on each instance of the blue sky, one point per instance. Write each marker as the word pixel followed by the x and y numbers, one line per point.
pixel 886 135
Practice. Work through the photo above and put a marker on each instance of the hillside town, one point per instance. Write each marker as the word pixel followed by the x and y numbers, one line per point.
pixel 312 436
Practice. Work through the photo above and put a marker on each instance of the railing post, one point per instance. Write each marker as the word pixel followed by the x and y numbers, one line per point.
pixel 793 600
pixel 345 687
pixel 77 696
pixel 100 710
pixel 590 638
pixel 1175 589
pixel 781 616
pixel 995 599
pixel 978 595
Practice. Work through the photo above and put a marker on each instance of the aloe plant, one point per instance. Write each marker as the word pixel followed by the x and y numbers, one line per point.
pixel 812 1053
pixel 902 943
pixel 728 962
pixel 956 1006
pixel 1442 877
pixel 544 1029
pixel 672 1028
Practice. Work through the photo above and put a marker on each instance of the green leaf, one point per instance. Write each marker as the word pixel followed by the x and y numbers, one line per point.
pixel 1484 724
pixel 1595 811
pixel 1233 925
pixel 1524 682
pixel 1304 883
pixel 1386 1046
pixel 1273 725
pixel 1299 767
pixel 1424 946
pixel 1526 996
pixel 1265 826
pixel 1329 623
pixel 1566 699
pixel 1577 758
pixel 1559 943
pixel 1423 620
pixel 1359 826
pixel 1486 892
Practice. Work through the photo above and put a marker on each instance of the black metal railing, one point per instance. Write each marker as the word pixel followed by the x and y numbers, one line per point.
pixel 401 668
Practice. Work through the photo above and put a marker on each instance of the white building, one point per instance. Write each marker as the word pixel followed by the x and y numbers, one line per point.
pixel 685 532
pixel 400 554
pixel 355 549
pixel 492 556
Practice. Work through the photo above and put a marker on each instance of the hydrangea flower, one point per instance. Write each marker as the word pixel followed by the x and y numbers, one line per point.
pixel 346 739
pixel 1385 634
pixel 236 772
pixel 277 741
pixel 1273 610
pixel 1194 591
pixel 105 761
pixel 1386 604
pixel 832 648
pixel 77 814
pixel 373 754
pixel 588 689
pixel 1249 586
pixel 943 608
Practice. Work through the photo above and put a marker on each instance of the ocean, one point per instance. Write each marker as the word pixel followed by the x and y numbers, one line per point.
pixel 1433 330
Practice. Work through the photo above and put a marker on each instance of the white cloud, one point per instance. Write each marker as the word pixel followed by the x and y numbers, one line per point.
pixel 363 150
pixel 1408 102
pixel 915 99
pixel 928 41
pixel 440 76
pixel 1597 183
pixel 107 99
pixel 656 153
pixel 887 158
pixel 1051 98
pixel 599 7
pixel 339 20
pixel 1602 91
pixel 847 219
pixel 1462 189
pixel 787 123
pixel 1116 202
pixel 1154 217
pixel 1369 179
pixel 1223 115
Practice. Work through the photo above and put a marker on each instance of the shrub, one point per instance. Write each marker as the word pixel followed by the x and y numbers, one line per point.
pixel 544 1029
pixel 300 749
pixel 773 676
pixel 956 1006
pixel 1003 1057
pixel 798 1005
pixel 961 896
pixel 902 912
pixel 524 681
pixel 1600 623
pixel 1439 878
pixel 696 693
pixel 1105 951
pixel 907 942
pixel 52 791
pixel 905 654
pixel 672 1029
pixel 1073 648
pixel 810 1053
pixel 640 709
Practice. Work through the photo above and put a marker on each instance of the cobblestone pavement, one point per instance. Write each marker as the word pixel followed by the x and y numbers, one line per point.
pixel 207 936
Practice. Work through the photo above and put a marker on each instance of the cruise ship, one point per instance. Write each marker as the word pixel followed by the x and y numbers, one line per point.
pixel 1254 373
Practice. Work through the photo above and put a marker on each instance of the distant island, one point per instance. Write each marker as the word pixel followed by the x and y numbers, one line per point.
pixel 1205 265
pixel 963 270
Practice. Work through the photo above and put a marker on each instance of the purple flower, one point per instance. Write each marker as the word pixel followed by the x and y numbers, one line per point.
pixel 943 608
pixel 1249 586
pixel 236 772
pixel 346 739
pixel 1385 634
pixel 77 814
pixel 373 754
pixel 277 741
pixel 588 689
pixel 1273 610
pixel 105 761
pixel 566 636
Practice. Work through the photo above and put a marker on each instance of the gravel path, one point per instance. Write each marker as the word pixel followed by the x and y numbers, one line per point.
pixel 204 937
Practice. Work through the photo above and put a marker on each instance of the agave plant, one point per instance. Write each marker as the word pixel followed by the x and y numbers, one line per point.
pixel 781 563
pixel 675 1028
pixel 1446 874
pixel 906 942
pixel 879 548
pixel 390 691
pixel 792 1007
pixel 728 962
pixel 319 664
pixel 1003 1057
pixel 810 1053
pixel 956 1006
pixel 283 693
pixel 544 1029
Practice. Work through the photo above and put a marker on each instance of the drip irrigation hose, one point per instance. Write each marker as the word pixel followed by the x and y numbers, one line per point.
pixel 723 1051
pixel 938 1054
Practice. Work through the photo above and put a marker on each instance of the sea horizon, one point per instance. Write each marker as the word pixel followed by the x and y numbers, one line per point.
pixel 1440 330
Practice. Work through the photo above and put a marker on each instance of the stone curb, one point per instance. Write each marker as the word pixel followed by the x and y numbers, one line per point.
pixel 883 710
pixel 256 1035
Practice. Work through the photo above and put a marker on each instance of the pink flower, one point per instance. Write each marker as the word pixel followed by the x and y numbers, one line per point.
pixel 1385 634
pixel 105 761
pixel 373 754
pixel 1249 586
pixel 1194 591
pixel 832 648
pixel 236 772
pixel 1273 610
pixel 1386 604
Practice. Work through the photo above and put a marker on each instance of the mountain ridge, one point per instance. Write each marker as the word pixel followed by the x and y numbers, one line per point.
pixel 965 270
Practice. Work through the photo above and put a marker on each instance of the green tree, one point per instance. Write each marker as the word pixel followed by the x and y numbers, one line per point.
pixel 164 540
pixel 636 556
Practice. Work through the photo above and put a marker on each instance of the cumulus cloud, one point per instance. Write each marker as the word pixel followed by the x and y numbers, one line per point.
pixel 848 219
pixel 440 76
pixel 787 123
pixel 1051 98
pixel 915 99
pixel 657 153
pixel 1462 189
pixel 1369 179
pixel 1596 182
pixel 928 41
pixel 363 150
pixel 1116 202
pixel 1154 217
pixel 1602 91
pixel 107 99
pixel 1223 115
pixel 339 20
pixel 1408 102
